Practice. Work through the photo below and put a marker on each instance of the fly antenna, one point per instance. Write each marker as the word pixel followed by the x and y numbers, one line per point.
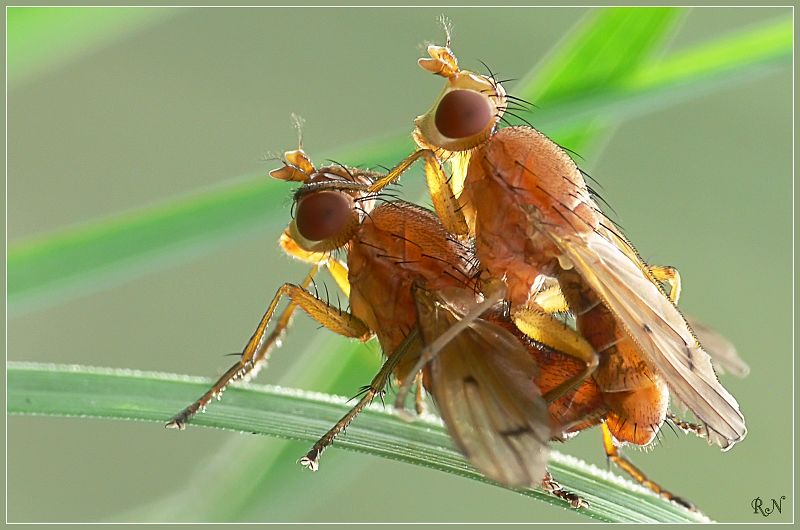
pixel 447 25
pixel 298 122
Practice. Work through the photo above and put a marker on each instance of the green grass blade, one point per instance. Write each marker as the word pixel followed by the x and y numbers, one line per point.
pixel 606 47
pixel 47 268
pixel 677 78
pixel 293 414
pixel 765 44
pixel 243 469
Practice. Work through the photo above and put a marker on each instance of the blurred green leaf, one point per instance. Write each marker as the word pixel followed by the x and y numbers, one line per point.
pixel 298 415
pixel 47 268
pixel 684 75
pixel 42 38
pixel 605 47
pixel 761 45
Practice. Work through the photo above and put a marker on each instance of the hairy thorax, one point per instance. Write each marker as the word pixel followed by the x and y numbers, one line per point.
pixel 521 186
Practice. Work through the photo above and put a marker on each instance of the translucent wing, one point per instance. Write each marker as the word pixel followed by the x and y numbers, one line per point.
pixel 658 328
pixel 482 383
pixel 723 353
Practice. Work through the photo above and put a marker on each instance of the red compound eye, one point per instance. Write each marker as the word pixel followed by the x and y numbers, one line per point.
pixel 463 113
pixel 322 214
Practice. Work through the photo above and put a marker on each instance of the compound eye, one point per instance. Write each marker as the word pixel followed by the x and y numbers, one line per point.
pixel 323 214
pixel 463 113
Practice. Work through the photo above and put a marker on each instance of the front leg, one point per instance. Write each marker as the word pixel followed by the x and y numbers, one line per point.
pixel 444 200
pixel 257 348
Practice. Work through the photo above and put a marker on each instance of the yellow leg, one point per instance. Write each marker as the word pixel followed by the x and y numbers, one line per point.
pixel 444 201
pixel 671 276
pixel 551 300
pixel 537 323
pixel 545 329
pixel 337 269
pixel 688 427
pixel 613 454
pixel 259 345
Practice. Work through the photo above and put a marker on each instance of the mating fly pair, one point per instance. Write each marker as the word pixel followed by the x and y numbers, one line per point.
pixel 414 287
pixel 543 246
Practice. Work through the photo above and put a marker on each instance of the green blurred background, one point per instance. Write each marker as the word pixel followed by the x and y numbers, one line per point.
pixel 113 110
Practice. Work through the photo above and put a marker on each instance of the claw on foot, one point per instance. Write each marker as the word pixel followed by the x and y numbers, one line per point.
pixel 578 502
pixel 311 460
pixel 686 504
pixel 176 423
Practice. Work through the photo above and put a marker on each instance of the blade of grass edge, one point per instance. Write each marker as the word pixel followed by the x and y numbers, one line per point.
pixel 40 389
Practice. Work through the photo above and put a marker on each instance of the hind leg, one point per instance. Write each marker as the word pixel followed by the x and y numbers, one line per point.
pixel 613 454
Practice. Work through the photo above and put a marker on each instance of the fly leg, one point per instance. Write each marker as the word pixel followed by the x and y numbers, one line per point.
pixel 419 395
pixel 337 269
pixel 722 352
pixel 613 454
pixel 670 276
pixel 311 459
pixel 548 296
pixel 444 201
pixel 554 488
pixel 551 299
pixel 548 330
pixel 259 345
pixel 688 427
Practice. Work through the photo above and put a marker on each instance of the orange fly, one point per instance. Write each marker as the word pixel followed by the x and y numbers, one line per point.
pixel 538 229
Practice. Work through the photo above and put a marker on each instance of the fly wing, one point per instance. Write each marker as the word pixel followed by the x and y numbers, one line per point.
pixel 659 329
pixel 482 383
pixel 722 351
